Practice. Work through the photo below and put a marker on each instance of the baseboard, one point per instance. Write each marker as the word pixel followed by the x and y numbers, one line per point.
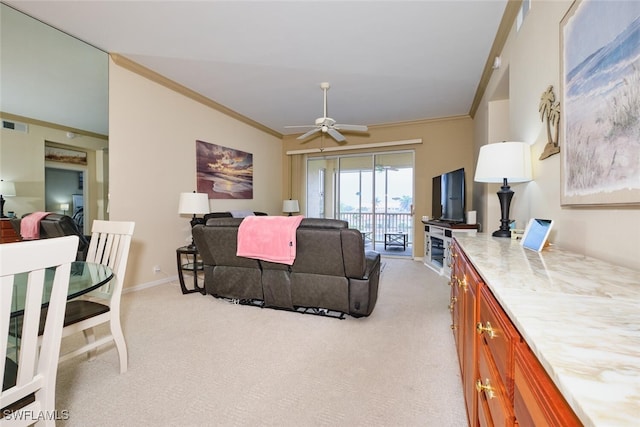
pixel 150 284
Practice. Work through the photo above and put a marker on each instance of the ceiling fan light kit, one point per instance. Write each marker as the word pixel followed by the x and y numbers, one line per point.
pixel 328 125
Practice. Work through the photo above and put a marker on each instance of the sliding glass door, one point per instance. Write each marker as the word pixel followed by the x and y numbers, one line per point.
pixel 372 192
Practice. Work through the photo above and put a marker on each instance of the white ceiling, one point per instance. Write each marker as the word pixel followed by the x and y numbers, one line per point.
pixel 387 61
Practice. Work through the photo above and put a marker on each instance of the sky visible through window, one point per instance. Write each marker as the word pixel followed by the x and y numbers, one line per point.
pixel 399 184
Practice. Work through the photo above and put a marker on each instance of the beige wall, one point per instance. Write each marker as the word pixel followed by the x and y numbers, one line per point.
pixel 152 134
pixel 446 145
pixel 530 63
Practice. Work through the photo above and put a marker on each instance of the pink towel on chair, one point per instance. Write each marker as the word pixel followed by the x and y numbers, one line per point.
pixel 269 238
pixel 30 225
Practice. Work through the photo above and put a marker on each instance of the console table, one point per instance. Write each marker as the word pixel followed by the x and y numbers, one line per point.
pixel 547 338
pixel 437 243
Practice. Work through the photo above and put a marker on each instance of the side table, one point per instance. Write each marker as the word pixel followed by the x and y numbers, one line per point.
pixel 395 239
pixel 189 260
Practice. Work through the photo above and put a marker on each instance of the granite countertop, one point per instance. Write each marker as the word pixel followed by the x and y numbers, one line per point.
pixel 579 315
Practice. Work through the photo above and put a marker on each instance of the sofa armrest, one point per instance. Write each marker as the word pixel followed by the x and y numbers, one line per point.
pixel 363 293
pixel 373 263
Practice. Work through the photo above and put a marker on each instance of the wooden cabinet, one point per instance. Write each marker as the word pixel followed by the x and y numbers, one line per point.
pixel 7 233
pixel 494 384
pixel 503 382
pixel 465 285
pixel 537 401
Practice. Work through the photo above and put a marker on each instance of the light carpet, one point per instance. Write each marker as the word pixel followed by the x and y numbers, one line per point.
pixel 199 361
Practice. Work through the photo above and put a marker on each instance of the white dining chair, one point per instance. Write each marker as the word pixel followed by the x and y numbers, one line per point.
pixel 29 375
pixel 109 245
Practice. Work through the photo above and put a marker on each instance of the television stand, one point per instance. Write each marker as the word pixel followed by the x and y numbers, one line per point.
pixel 437 243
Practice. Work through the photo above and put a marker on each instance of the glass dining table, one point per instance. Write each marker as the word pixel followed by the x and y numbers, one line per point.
pixel 85 277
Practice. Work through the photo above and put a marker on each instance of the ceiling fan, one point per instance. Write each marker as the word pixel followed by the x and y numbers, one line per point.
pixel 326 124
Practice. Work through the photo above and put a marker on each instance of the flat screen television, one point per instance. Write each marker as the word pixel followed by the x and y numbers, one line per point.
pixel 448 201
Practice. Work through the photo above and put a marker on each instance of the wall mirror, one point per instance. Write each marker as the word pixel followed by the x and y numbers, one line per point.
pixel 53 99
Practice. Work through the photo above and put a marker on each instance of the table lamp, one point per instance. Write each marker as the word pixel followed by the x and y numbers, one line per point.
pixel 7 189
pixel 64 207
pixel 504 162
pixel 290 206
pixel 193 204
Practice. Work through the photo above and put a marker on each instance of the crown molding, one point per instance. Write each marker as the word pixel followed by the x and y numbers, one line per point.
pixel 134 67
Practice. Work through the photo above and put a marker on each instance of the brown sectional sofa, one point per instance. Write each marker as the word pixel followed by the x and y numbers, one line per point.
pixel 332 273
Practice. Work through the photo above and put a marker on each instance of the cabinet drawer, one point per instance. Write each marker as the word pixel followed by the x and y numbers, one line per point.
pixel 498 334
pixel 537 401
pixel 492 394
pixel 7 233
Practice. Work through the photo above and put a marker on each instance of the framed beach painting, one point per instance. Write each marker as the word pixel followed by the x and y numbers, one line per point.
pixel 600 94
pixel 224 173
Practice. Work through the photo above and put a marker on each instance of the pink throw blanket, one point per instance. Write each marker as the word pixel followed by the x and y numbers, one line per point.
pixel 30 225
pixel 269 238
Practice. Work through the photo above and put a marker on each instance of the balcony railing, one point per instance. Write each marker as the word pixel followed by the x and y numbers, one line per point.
pixel 384 223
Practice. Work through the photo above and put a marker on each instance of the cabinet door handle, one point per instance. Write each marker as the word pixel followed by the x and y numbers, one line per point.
pixel 453 280
pixel 486 387
pixel 488 329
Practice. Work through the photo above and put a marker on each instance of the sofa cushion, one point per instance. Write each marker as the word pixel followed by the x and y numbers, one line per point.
pixel 235 282
pixel 323 223
pixel 319 251
pixel 321 291
pixel 224 215
pixel 224 221
pixel 223 250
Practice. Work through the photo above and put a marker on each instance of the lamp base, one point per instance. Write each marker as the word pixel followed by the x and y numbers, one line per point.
pixel 504 196
pixel 502 233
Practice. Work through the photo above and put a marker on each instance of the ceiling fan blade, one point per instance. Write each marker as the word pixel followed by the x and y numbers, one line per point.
pixel 335 135
pixel 352 128
pixel 300 126
pixel 308 134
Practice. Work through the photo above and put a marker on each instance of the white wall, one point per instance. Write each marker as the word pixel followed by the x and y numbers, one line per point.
pixel 152 134
pixel 531 59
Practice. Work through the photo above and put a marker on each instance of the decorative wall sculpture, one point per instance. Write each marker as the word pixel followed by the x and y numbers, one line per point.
pixel 550 110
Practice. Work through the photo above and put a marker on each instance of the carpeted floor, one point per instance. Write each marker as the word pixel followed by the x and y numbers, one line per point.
pixel 198 361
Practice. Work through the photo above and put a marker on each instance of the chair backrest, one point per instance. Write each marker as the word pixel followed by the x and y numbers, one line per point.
pixel 35 369
pixel 109 245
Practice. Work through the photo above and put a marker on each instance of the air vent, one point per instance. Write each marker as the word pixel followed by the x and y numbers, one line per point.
pixel 18 127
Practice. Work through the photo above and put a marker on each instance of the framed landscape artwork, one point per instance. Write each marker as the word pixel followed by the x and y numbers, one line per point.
pixel 224 173
pixel 600 79
pixel 63 155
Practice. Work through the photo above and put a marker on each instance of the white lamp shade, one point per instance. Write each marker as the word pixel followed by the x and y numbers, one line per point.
pixel 289 206
pixel 510 160
pixel 64 206
pixel 7 188
pixel 193 203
